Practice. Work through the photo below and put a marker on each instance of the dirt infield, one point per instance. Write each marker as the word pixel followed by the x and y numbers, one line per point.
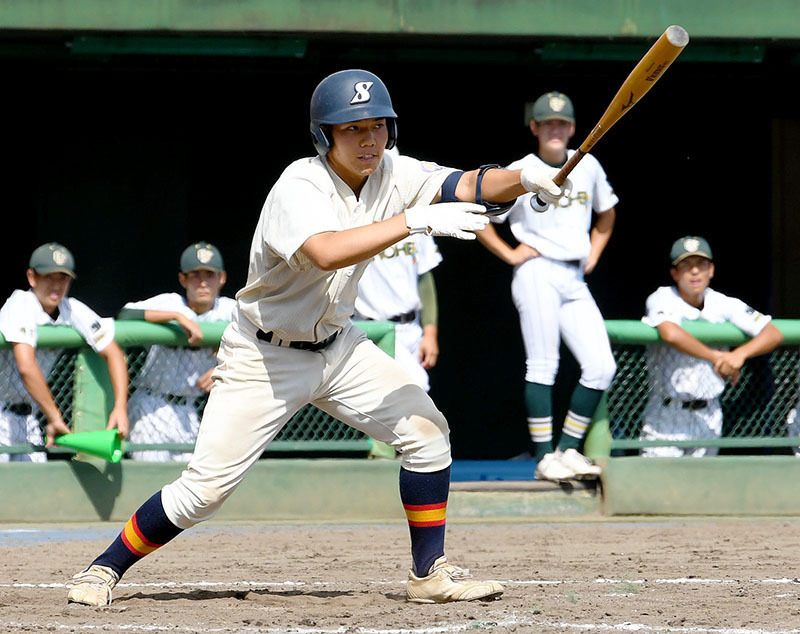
pixel 596 575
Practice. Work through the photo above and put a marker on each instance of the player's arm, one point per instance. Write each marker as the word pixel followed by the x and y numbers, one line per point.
pixel 510 255
pixel 732 361
pixel 500 185
pixel 672 334
pixel 429 316
pixel 331 250
pixel 118 372
pixel 194 333
pixel 36 384
pixel 599 237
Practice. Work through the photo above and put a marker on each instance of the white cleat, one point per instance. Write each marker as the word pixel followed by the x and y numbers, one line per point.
pixel 447 583
pixel 551 468
pixel 579 464
pixel 93 586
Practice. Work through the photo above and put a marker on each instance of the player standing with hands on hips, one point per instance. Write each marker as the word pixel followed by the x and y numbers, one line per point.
pixel 291 340
pixel 556 248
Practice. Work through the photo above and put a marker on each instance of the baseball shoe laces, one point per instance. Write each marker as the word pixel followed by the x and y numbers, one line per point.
pixel 446 582
pixel 93 586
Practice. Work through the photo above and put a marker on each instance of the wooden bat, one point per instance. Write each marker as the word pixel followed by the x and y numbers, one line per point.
pixel 646 73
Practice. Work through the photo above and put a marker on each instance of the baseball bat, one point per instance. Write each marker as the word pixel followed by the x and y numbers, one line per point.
pixel 641 79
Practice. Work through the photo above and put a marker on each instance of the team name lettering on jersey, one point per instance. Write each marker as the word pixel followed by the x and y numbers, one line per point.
pixel 362 89
pixel 407 248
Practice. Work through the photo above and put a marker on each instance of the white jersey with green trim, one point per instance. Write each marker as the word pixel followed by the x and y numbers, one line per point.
pixel 19 318
pixel 562 231
pixel 681 376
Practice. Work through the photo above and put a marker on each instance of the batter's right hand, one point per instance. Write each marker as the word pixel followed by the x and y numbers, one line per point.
pixel 539 180
pixel 454 220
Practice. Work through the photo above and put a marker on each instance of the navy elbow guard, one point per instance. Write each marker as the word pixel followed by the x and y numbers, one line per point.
pixel 492 209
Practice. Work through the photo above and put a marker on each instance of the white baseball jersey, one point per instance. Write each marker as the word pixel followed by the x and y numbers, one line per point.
pixel 678 378
pixel 562 232
pixel 549 292
pixel 389 287
pixel 169 372
pixel 682 376
pixel 285 293
pixel 176 370
pixel 259 386
pixel 20 316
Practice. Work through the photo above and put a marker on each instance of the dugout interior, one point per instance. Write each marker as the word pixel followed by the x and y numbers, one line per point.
pixel 128 153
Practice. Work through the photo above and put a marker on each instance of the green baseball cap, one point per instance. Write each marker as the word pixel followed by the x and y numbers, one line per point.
pixel 551 105
pixel 201 255
pixel 682 248
pixel 53 258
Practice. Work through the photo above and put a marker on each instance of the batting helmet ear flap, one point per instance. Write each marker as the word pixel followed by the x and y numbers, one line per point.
pixel 391 126
pixel 320 140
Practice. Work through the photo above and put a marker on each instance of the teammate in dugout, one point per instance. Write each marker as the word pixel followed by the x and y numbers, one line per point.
pixel 292 342
pixel 162 408
pixel 557 247
pixel 398 286
pixel 25 368
pixel 687 376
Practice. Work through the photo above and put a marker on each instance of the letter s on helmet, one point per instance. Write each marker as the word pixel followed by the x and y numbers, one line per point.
pixel 350 95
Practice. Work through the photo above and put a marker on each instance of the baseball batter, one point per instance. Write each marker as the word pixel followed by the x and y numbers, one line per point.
pixel 556 248
pixel 24 369
pixel 162 408
pixel 686 375
pixel 292 342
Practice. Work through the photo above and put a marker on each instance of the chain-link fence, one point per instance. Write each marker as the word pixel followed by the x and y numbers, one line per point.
pixel 652 389
pixel 759 411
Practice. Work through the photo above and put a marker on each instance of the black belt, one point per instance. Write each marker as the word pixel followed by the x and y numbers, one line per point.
pixel 173 399
pixel 311 346
pixel 20 409
pixel 572 262
pixel 405 318
pixel 690 405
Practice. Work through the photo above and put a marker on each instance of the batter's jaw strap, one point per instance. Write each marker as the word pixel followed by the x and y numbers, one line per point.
pixel 492 209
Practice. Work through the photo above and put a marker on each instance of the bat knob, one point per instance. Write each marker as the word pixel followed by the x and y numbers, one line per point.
pixel 538 205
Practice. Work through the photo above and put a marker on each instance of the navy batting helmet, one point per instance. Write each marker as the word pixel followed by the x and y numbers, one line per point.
pixel 350 95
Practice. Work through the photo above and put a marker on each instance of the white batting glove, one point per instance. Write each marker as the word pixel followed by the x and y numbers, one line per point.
pixel 453 220
pixel 539 180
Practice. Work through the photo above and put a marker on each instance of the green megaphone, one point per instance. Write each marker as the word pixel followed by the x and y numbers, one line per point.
pixel 103 444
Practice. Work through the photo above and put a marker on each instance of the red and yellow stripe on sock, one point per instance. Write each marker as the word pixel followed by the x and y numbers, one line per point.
pixel 421 515
pixel 136 542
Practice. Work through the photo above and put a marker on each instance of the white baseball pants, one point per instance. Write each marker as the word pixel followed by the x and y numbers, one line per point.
pixel 259 386
pixel 554 301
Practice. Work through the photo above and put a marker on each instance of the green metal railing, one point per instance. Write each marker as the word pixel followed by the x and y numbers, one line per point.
pixel 82 389
pixel 755 410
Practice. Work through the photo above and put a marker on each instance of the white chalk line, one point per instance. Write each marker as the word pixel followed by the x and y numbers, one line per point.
pixel 487 624
pixel 520 582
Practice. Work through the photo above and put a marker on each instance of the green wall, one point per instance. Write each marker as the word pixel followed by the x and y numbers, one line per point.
pixel 578 18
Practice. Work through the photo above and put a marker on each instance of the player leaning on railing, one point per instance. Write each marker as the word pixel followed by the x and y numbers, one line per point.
pixel 50 272
pixel 688 376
